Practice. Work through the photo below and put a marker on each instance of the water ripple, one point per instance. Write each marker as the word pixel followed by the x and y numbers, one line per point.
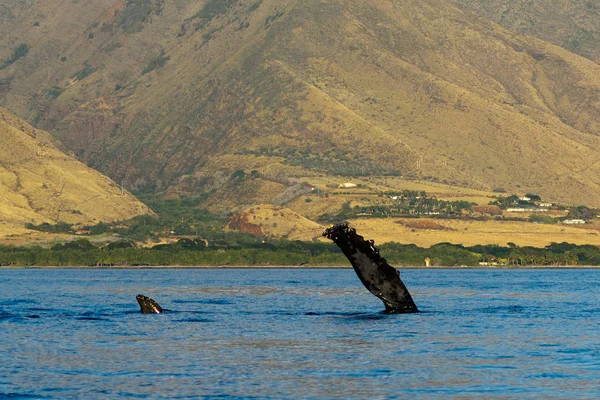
pixel 273 334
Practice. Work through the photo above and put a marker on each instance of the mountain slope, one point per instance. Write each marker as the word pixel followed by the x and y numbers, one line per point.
pixel 172 96
pixel 39 183
pixel 572 24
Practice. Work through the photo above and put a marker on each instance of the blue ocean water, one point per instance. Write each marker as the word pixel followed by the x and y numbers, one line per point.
pixel 286 333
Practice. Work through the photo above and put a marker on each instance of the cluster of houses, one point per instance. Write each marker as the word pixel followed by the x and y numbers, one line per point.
pixel 417 203
pixel 540 207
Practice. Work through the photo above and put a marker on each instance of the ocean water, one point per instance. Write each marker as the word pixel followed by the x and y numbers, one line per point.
pixel 289 334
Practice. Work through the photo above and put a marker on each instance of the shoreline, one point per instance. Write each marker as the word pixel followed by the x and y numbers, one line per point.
pixel 412 267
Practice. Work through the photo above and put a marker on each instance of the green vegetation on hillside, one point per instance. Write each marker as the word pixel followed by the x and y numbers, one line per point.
pixel 136 13
pixel 331 162
pixel 211 10
pixel 572 24
pixel 18 52
pixel 173 218
pixel 404 203
pixel 85 72
pixel 55 92
pixel 156 62
pixel 61 227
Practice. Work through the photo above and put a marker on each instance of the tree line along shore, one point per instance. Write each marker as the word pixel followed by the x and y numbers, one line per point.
pixel 195 252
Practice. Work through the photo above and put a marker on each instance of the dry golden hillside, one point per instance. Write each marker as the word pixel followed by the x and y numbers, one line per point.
pixel 573 24
pixel 274 221
pixel 471 233
pixel 39 183
pixel 174 96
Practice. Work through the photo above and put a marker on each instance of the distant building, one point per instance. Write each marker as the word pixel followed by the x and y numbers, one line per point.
pixel 348 185
pixel 522 209
pixel 574 221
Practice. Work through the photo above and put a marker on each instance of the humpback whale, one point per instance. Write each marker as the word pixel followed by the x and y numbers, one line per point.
pixel 147 305
pixel 375 273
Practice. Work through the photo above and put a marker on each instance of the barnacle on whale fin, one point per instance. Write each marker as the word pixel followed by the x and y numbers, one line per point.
pixel 381 279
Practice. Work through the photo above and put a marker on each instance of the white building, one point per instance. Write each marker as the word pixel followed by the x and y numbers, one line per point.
pixel 573 221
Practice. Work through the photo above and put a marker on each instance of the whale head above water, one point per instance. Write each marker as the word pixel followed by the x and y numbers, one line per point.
pixel 147 305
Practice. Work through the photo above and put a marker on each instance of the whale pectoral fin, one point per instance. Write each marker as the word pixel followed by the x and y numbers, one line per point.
pixel 148 305
pixel 381 279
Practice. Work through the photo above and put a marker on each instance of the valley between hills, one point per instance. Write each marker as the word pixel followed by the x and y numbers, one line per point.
pixel 258 112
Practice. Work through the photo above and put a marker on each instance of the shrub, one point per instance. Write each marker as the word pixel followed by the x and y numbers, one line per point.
pixel 121 244
pixel 85 72
pixel 135 13
pixel 582 212
pixel 55 91
pixel 240 174
pixel 272 18
pixel 79 244
pixel 156 63
pixel 541 219
pixel 18 52
pixel 60 227
pixel 533 197
pixel 211 10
